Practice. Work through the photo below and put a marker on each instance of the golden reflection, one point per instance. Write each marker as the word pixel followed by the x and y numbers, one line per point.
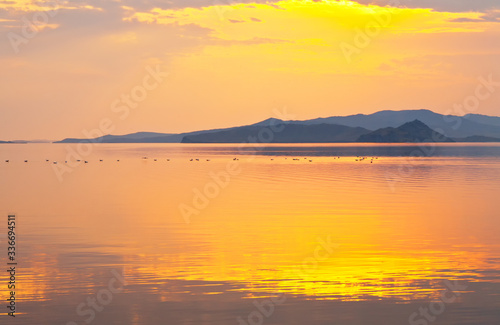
pixel 330 229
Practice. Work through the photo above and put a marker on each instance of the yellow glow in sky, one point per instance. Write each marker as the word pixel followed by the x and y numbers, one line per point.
pixel 232 64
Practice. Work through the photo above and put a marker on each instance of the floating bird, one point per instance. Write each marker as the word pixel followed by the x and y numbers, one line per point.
pixel 55 162
pixel 100 159
pixel 86 162
pixel 25 161
pixel 78 160
pixel 46 160
pixel 197 159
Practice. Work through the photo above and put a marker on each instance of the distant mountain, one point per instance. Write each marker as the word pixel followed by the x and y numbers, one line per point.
pixel 141 137
pixel 286 133
pixel 151 137
pixel 415 131
pixel 450 125
pixel 37 141
pixel 272 121
pixel 469 128
pixel 133 137
pixel 27 141
pixel 483 119
pixel 478 138
pixel 16 141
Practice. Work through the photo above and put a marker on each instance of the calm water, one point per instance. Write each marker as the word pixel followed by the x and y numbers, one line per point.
pixel 271 238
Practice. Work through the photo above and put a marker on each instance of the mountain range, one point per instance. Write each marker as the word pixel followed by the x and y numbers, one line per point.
pixel 415 131
pixel 383 126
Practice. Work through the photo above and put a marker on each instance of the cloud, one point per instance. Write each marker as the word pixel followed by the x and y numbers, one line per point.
pixel 491 16
pixel 440 5
pixel 465 20
pixel 73 72
pixel 148 5
pixel 252 41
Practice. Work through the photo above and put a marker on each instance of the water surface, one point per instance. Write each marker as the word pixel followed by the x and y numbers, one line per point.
pixel 341 234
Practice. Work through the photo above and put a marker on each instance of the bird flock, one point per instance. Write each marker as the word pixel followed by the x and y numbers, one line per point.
pixel 360 158
pixel 357 159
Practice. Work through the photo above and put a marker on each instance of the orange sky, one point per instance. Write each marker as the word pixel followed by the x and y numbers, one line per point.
pixel 231 63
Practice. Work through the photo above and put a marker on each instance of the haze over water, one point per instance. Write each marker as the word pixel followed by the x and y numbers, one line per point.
pixel 390 231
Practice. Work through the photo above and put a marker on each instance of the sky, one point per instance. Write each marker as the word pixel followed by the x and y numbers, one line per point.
pixel 72 68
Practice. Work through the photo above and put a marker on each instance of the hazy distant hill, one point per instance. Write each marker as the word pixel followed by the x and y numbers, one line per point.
pixel 287 133
pixel 142 137
pixel 449 125
pixel 477 138
pixel 133 137
pixel 415 131
pixel 15 142
pixel 470 128
pixel 483 119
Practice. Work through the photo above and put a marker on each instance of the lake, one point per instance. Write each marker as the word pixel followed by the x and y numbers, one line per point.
pixel 252 234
